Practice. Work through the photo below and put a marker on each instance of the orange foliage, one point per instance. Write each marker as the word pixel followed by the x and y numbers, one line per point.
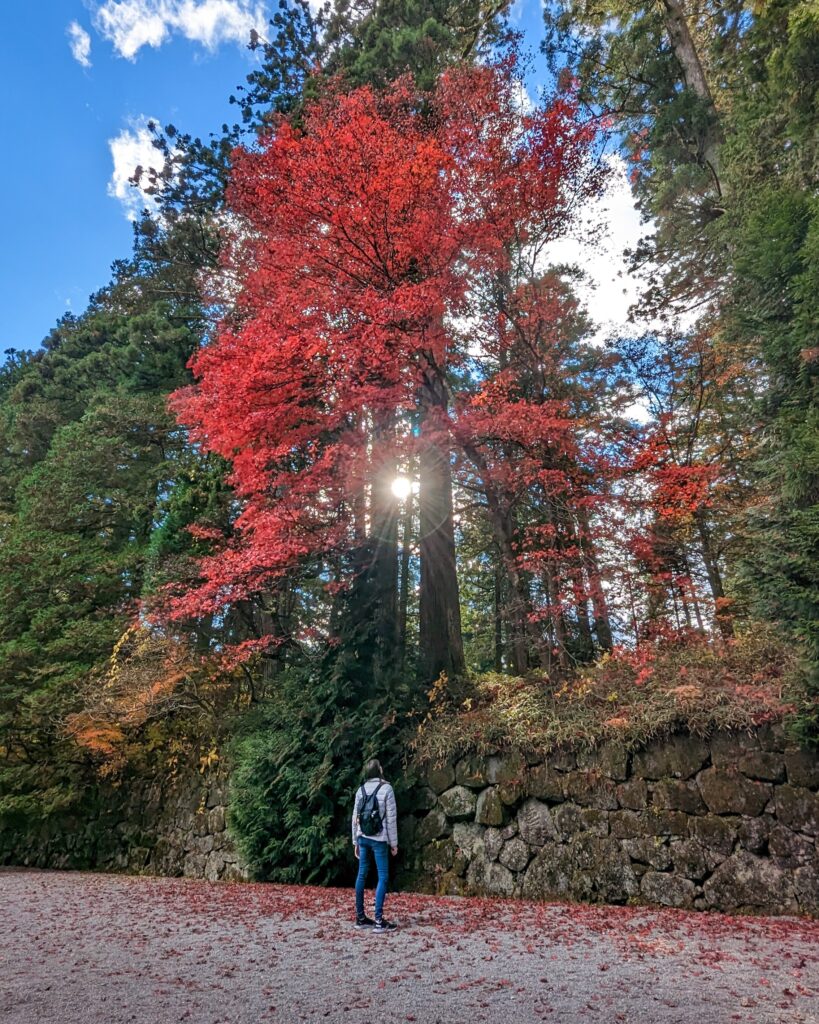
pixel 149 676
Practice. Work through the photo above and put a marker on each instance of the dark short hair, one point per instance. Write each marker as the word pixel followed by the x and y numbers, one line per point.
pixel 373 769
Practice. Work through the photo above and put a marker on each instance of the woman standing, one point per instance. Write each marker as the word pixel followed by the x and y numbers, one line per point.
pixel 375 830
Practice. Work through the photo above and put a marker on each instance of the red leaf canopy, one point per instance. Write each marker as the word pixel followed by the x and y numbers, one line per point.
pixel 362 243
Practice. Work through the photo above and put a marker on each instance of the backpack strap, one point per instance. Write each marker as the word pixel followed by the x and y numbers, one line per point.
pixel 365 795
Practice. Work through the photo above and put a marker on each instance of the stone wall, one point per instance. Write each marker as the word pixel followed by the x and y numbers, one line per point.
pixel 169 826
pixel 725 824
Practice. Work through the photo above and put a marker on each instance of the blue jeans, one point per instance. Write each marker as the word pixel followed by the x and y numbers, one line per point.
pixel 368 850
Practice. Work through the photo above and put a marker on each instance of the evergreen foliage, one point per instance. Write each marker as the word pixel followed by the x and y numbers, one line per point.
pixel 376 42
pixel 91 450
pixel 773 309
pixel 298 756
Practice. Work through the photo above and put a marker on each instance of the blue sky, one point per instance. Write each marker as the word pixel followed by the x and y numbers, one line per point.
pixel 77 75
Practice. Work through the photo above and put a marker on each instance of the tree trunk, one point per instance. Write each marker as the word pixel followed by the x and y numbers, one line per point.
pixel 555 597
pixel 264 616
pixel 383 569
pixel 581 597
pixel 403 594
pixel 685 51
pixel 558 620
pixel 518 601
pixel 268 620
pixel 724 621
pixel 692 594
pixel 602 626
pixel 522 634
pixel 581 605
pixel 440 640
pixel 498 610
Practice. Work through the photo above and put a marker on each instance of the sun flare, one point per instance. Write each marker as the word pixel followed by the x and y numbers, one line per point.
pixel 401 487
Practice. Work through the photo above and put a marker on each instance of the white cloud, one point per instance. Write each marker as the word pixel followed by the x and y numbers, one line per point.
pixel 639 411
pixel 605 229
pixel 597 246
pixel 131 24
pixel 516 11
pixel 523 99
pixel 80 43
pixel 130 149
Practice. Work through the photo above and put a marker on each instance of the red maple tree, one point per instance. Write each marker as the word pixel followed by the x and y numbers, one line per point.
pixel 366 241
pixel 535 435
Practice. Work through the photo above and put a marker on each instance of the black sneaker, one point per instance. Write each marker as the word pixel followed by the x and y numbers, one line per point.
pixel 364 922
pixel 383 926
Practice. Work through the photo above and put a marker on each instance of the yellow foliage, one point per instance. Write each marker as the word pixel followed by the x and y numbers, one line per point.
pixel 149 679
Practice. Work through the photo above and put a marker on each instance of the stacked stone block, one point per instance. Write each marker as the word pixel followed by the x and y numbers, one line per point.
pixel 169 827
pixel 728 823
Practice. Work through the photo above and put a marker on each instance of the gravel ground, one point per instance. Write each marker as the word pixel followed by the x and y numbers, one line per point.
pixel 104 949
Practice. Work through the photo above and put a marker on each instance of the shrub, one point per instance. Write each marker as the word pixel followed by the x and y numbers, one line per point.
pixel 671 684
pixel 296 762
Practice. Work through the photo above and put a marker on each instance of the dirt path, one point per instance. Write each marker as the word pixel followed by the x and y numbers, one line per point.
pixel 105 949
